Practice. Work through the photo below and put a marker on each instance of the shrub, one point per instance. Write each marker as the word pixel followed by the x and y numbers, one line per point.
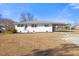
pixel 67 27
pixel 14 31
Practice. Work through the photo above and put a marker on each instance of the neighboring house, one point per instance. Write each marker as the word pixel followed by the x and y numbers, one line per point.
pixel 39 26
pixel 2 28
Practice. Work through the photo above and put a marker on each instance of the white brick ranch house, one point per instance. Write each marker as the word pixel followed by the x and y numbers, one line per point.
pixel 39 26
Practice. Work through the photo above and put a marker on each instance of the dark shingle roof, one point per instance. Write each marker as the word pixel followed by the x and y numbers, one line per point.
pixel 40 22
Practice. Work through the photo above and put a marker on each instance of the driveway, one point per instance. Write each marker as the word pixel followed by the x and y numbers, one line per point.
pixel 71 37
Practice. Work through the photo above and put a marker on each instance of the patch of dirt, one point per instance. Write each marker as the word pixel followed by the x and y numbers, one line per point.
pixel 25 44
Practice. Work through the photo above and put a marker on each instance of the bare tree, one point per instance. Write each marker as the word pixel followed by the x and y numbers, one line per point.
pixel 27 17
pixel 30 17
pixel 75 23
pixel 23 17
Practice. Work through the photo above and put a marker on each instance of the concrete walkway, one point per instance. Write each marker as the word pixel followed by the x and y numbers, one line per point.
pixel 71 37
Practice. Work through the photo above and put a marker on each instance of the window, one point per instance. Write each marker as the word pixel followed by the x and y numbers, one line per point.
pixel 20 25
pixel 46 25
pixel 34 25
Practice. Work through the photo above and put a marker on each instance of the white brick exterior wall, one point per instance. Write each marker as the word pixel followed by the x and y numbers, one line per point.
pixel 33 29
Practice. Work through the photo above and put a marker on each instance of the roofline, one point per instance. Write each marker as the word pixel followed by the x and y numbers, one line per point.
pixel 43 23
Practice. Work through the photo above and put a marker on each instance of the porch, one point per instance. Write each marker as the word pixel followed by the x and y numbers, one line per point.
pixel 60 28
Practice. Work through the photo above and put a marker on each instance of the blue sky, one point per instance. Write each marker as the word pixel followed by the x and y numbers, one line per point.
pixel 56 12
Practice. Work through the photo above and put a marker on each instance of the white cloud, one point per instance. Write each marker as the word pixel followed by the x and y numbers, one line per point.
pixel 74 5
